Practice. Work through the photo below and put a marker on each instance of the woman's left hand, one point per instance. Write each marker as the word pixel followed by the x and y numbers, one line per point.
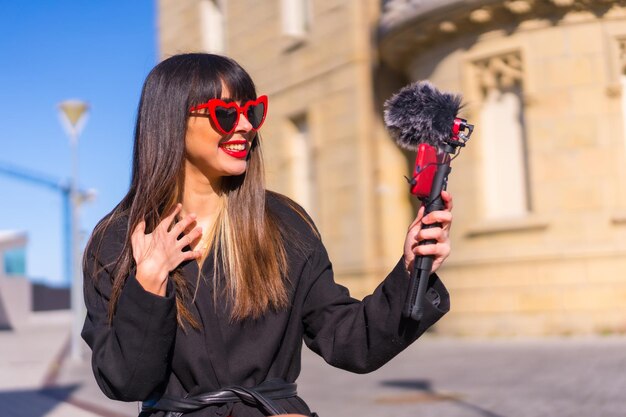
pixel 441 249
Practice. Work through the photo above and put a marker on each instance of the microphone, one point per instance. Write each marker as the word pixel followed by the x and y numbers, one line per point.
pixel 421 118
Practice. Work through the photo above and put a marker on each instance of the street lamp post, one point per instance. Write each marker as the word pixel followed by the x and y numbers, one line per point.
pixel 73 117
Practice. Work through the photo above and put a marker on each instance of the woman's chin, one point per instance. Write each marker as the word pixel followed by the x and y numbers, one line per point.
pixel 236 169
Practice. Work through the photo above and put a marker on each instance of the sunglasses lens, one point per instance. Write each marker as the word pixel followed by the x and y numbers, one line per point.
pixel 226 117
pixel 255 115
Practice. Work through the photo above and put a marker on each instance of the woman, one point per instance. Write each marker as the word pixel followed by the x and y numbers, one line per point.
pixel 200 280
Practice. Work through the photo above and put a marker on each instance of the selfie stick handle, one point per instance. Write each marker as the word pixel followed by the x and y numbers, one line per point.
pixel 422 265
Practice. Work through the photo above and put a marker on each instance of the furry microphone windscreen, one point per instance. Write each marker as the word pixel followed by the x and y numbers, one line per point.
pixel 419 113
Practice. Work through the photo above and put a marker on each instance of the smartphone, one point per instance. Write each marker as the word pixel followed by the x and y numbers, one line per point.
pixel 425 170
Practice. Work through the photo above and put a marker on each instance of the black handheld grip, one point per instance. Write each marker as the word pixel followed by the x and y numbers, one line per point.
pixel 414 302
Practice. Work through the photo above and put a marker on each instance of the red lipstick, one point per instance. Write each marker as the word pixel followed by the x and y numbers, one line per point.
pixel 233 148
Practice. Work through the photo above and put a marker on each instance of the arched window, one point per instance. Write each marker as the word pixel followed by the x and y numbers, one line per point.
pixel 301 156
pixel 504 150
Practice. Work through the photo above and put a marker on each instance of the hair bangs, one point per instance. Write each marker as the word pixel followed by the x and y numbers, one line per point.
pixel 239 84
pixel 212 73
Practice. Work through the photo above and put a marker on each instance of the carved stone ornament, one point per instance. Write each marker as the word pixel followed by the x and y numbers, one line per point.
pixel 408 26
pixel 396 13
pixel 622 55
pixel 481 16
pixel 563 3
pixel 519 6
pixel 447 27
pixel 499 72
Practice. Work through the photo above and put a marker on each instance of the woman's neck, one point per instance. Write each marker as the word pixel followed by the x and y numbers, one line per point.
pixel 201 195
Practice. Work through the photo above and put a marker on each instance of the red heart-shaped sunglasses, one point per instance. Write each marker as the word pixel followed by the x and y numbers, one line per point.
pixel 225 115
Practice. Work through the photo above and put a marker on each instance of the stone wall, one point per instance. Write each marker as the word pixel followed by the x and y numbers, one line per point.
pixel 323 79
pixel 558 269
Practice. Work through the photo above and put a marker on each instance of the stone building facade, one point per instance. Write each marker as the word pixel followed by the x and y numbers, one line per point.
pixel 323 140
pixel 539 240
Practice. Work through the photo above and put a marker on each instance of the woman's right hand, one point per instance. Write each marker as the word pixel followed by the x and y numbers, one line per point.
pixel 160 252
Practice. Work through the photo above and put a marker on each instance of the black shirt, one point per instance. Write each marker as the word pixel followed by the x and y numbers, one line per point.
pixel 143 352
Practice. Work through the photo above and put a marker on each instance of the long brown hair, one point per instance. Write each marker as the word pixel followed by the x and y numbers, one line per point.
pixel 249 243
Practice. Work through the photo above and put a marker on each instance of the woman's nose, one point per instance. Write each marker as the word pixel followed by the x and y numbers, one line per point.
pixel 243 124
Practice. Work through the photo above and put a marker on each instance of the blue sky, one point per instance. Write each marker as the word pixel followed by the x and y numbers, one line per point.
pixel 98 51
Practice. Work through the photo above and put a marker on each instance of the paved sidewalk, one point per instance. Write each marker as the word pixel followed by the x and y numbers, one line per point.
pixel 33 369
pixel 27 358
pixel 436 377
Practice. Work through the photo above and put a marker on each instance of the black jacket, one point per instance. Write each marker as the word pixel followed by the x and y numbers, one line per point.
pixel 143 352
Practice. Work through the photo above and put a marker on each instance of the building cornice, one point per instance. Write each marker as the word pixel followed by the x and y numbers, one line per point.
pixel 409 26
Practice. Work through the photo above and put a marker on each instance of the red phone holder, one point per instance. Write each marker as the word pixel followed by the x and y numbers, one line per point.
pixel 425 169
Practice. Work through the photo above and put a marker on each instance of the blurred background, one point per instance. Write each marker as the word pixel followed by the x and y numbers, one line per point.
pixel 537 274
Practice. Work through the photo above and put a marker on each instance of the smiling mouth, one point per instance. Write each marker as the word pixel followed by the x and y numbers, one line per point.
pixel 236 149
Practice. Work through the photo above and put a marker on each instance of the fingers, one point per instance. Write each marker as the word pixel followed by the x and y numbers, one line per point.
pixel 140 230
pixel 418 218
pixel 447 199
pixel 191 254
pixel 189 238
pixel 137 238
pixel 439 216
pixel 167 222
pixel 182 225
pixel 438 234
pixel 439 250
